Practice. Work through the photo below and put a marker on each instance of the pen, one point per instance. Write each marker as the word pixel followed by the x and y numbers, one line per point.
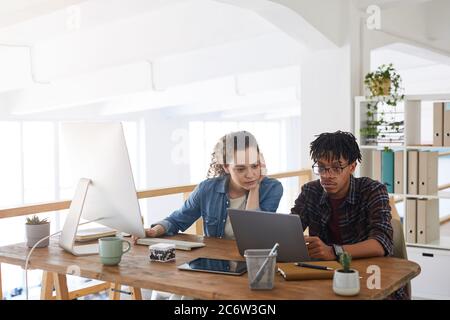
pixel 260 272
pixel 313 266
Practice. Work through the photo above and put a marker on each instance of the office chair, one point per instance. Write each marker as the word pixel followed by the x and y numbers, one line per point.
pixel 399 237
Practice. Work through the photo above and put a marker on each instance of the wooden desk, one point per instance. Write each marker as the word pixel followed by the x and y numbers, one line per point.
pixel 136 270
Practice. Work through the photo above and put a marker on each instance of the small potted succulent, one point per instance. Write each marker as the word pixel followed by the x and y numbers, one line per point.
pixel 346 280
pixel 36 229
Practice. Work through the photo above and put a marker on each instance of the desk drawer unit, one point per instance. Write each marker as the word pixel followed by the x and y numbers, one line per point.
pixel 433 282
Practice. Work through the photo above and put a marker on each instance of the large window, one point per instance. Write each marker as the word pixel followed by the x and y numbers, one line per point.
pixel 39 161
pixel 10 164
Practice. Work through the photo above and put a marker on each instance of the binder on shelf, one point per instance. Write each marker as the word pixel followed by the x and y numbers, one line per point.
pixel 376 165
pixel 398 172
pixel 387 170
pixel 428 173
pixel 413 171
pixel 411 220
pixel 428 225
pixel 438 124
pixel 413 116
pixel 447 124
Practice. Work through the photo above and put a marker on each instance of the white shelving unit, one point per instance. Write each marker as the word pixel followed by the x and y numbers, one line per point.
pixel 433 257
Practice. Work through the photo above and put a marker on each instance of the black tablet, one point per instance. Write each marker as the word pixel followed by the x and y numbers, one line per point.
pixel 230 267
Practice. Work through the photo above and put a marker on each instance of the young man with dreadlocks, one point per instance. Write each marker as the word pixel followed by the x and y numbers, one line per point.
pixel 344 213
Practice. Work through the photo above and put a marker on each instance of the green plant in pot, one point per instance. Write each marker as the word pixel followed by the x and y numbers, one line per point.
pixel 385 83
pixel 383 87
pixel 346 280
pixel 37 229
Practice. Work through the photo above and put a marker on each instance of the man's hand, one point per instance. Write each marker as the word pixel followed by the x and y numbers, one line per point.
pixel 156 231
pixel 319 250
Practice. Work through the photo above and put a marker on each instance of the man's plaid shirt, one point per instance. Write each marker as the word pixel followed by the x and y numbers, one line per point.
pixel 367 215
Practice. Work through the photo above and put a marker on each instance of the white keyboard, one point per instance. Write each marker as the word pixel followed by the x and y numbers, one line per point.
pixel 84 250
pixel 180 245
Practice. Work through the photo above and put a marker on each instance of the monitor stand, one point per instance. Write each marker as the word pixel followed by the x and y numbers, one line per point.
pixel 69 232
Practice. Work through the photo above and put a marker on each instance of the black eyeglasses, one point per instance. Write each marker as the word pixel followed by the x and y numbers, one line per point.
pixel 334 171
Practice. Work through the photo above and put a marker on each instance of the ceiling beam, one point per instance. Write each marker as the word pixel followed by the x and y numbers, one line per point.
pixel 208 95
pixel 17 11
pixel 150 36
pixel 72 16
pixel 290 17
pixel 132 86
pixel 263 100
pixel 85 89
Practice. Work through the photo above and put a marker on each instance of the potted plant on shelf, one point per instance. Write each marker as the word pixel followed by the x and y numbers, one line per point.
pixel 384 83
pixel 346 280
pixel 383 87
pixel 36 229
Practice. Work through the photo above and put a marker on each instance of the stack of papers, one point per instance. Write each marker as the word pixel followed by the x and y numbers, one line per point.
pixel 94 234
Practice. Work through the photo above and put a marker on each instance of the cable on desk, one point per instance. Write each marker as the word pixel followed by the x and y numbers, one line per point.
pixel 28 258
pixel 34 247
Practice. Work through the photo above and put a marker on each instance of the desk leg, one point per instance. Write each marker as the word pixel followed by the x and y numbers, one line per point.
pixel 1 287
pixel 47 286
pixel 114 293
pixel 62 292
pixel 136 293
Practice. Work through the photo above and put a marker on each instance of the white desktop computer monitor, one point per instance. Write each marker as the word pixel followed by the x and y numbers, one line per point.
pixel 106 192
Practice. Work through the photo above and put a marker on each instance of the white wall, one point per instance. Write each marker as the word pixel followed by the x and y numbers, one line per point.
pixel 326 97
pixel 414 25
pixel 164 168
pixel 426 23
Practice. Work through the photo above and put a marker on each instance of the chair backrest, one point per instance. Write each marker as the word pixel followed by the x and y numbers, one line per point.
pixel 399 240
pixel 399 237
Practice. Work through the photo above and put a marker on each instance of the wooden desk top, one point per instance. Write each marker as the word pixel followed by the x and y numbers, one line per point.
pixel 136 270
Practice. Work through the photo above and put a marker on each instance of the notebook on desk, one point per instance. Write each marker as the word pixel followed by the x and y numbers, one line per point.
pixel 291 271
pixel 179 244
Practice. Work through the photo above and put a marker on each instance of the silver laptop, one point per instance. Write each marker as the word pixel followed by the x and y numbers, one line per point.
pixel 261 230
